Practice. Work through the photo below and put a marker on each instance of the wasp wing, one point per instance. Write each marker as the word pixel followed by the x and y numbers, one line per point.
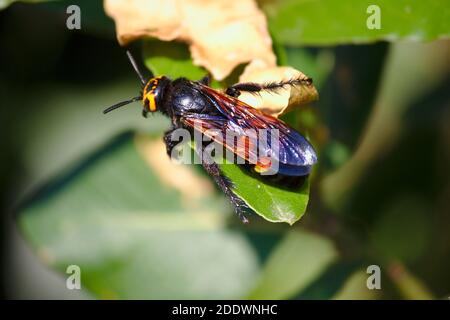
pixel 290 149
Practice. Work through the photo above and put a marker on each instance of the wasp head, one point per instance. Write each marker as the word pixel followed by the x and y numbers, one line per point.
pixel 153 92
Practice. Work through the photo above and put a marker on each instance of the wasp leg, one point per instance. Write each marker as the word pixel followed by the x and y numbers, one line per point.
pixel 235 90
pixel 144 113
pixel 252 87
pixel 226 185
pixel 206 80
pixel 169 142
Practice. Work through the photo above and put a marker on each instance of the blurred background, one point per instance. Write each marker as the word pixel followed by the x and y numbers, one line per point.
pixel 80 188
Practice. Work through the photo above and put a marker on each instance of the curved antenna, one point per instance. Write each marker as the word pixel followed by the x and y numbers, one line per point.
pixel 136 68
pixel 121 104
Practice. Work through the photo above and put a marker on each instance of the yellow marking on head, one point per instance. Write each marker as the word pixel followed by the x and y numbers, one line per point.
pixel 149 94
pixel 151 101
pixel 151 84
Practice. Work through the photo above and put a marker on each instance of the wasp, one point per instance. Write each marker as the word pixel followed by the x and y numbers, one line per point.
pixel 195 106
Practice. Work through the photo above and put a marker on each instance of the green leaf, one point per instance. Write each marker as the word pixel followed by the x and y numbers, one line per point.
pixel 275 202
pixel 272 202
pixel 406 66
pixel 306 22
pixel 133 237
pixel 405 221
pixel 318 66
pixel 295 263
pixel 75 123
pixel 171 59
pixel 355 288
pixel 410 286
pixel 280 51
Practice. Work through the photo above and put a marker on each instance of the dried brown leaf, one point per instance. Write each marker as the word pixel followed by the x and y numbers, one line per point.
pixel 283 100
pixel 221 34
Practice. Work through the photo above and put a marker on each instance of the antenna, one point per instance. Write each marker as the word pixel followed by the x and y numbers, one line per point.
pixel 121 104
pixel 136 68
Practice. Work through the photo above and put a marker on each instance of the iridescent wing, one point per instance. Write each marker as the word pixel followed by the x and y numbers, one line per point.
pixel 253 135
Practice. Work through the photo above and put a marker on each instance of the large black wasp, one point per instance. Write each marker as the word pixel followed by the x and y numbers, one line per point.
pixel 194 104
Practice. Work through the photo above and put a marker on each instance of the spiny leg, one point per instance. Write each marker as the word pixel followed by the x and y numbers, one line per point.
pixel 206 80
pixel 225 184
pixel 169 141
pixel 253 87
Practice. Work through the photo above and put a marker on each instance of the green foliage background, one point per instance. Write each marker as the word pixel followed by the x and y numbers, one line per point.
pixel 82 193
